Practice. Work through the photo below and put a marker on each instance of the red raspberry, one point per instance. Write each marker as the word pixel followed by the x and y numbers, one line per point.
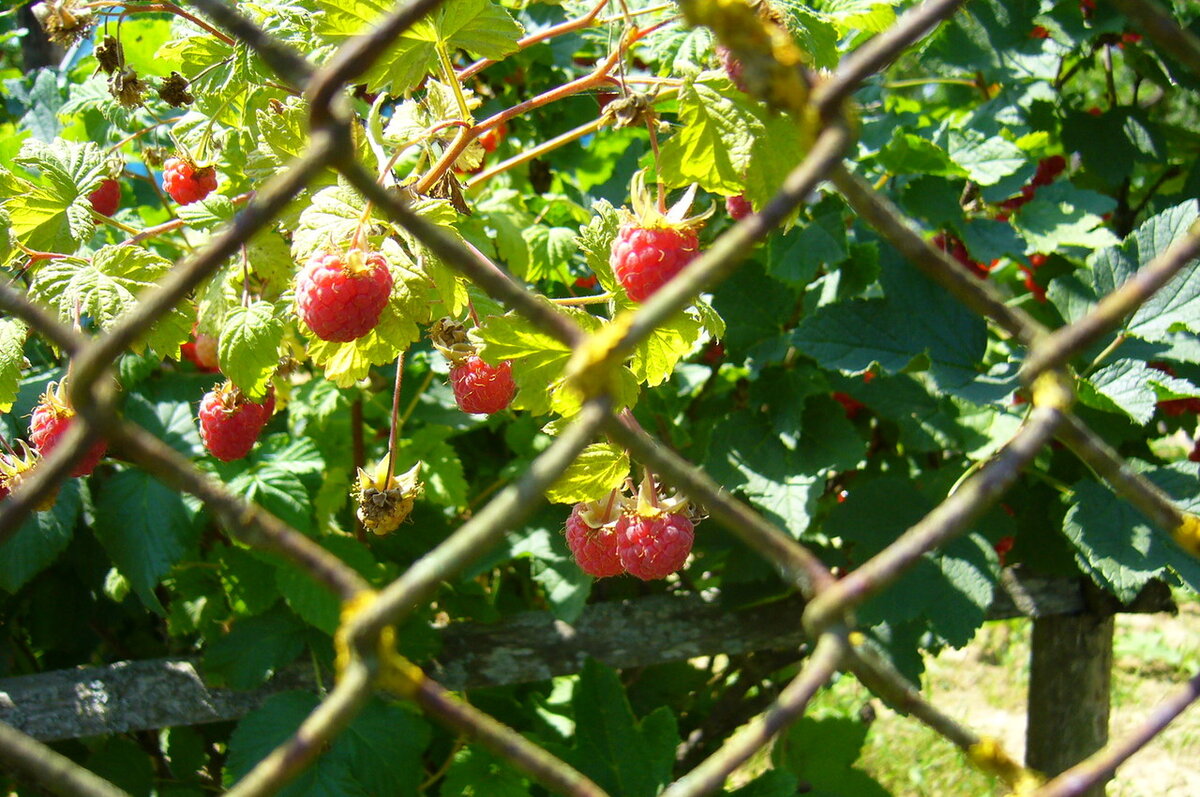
pixel 1039 32
pixel 732 66
pixel 490 139
pixel 202 352
pixel 645 258
pixel 594 549
pixel 482 388
pixel 586 283
pixel 1047 170
pixel 107 198
pixel 1195 455
pixel 51 419
pixel 230 423
pixel 186 184
pixel 738 207
pixel 340 296
pixel 851 405
pixel 654 547
pixel 1003 546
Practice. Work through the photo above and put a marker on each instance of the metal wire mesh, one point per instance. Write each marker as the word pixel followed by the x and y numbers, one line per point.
pixel 367 659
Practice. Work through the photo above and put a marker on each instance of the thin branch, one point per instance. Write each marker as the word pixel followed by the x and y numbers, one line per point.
pixel 708 777
pixel 1064 343
pixel 949 519
pixel 53 770
pixel 880 51
pixel 979 295
pixel 331 716
pixel 795 563
pixel 1099 767
pixel 477 536
pixel 453 253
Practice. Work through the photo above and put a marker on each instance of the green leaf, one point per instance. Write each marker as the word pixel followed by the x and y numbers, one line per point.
pixel 475 772
pixel 1117 546
pixel 655 357
pixel 624 756
pixel 173 422
pixel 821 752
pixel 12 357
pixel 146 529
pixel 480 27
pixel 1062 215
pixel 595 240
pixel 908 153
pixel 441 469
pixel 110 286
pixel 538 359
pixel 984 158
pixel 276 489
pixel 1127 384
pixel 875 16
pixel 722 144
pixel 379 753
pixel 550 250
pixel 40 539
pixel 249 581
pixel 255 648
pixel 249 347
pixel 313 602
pixel 553 567
pixel 599 469
pixel 68 169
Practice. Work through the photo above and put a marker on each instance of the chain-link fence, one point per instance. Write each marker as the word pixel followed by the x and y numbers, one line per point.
pixel 366 656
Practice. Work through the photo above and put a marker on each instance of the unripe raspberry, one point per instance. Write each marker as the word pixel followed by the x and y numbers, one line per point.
pixel 594 548
pixel 186 184
pixel 202 352
pixel 480 387
pixel 341 295
pixel 107 198
pixel 654 546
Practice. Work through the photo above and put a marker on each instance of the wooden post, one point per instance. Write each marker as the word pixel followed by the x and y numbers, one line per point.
pixel 1070 675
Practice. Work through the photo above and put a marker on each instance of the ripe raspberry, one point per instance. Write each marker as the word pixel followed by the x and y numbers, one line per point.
pixel 655 546
pixel 186 184
pixel 732 66
pixel 651 246
pixel 202 352
pixel 1047 170
pixel 594 548
pixel 340 295
pixel 644 258
pixel 230 423
pixel 52 417
pixel 482 388
pixel 738 207
pixel 107 198
pixel 490 139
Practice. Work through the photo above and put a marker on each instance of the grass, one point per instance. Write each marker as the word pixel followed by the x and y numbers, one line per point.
pixel 984 687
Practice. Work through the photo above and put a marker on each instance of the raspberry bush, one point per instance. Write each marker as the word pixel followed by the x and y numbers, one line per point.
pixel 371 377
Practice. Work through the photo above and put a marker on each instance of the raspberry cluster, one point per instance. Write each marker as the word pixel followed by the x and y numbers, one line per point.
pixel 648 537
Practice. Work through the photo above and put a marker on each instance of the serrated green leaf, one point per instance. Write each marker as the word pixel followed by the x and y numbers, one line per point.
pixel 624 756
pixel 908 153
pixel 12 357
pixel 40 539
pixel 985 159
pixel 538 359
pixel 1061 215
pixel 69 169
pixel 379 753
pixel 1116 545
pixel 276 489
pixel 313 602
pixel 173 422
pixel 713 146
pixel 248 349
pixel 867 15
pixel 255 648
pixel 595 240
pixel 599 468
pixel 146 529
pixel 821 751
pixel 107 288
pixel 554 568
pixel 1127 384
pixel 480 27
pixel 550 250
pixel 475 772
